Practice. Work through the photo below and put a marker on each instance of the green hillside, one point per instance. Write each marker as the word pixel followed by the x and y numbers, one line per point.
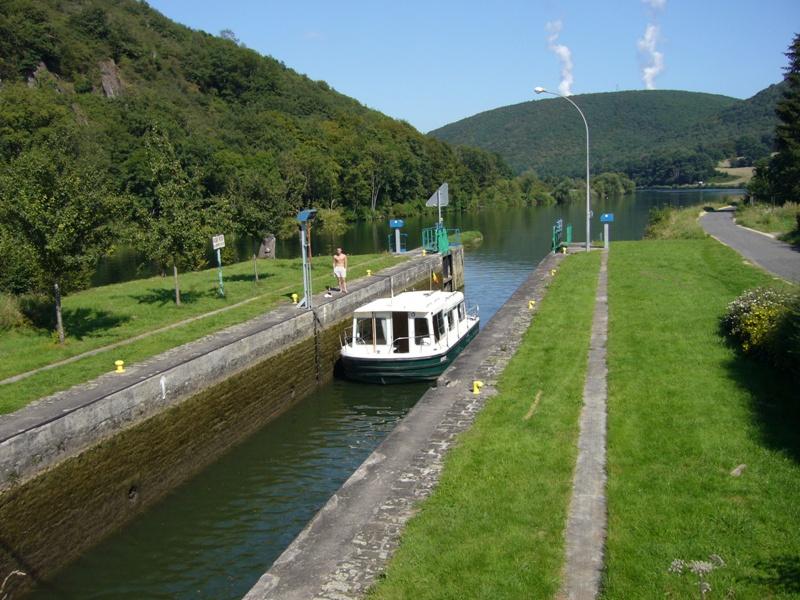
pixel 102 73
pixel 653 136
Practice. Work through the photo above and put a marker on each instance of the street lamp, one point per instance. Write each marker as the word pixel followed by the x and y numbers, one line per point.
pixel 541 90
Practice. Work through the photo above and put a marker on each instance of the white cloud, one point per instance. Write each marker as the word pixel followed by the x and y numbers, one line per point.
pixel 656 4
pixel 654 59
pixel 564 55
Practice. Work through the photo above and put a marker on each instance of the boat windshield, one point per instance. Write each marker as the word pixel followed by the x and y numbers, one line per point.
pixel 371 330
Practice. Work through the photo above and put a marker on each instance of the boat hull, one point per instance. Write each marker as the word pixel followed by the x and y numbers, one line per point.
pixel 402 370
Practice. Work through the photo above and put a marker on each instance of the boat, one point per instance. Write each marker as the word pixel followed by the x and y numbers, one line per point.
pixel 408 337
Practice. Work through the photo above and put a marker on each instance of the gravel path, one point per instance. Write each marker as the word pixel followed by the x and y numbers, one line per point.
pixel 778 258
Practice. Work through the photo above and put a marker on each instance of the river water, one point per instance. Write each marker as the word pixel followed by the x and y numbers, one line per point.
pixel 213 537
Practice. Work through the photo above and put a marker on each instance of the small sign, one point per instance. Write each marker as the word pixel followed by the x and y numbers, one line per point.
pixel 559 226
pixel 218 241
pixel 396 223
pixel 607 218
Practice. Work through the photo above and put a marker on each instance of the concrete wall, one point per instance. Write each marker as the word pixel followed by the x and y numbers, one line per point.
pixel 76 466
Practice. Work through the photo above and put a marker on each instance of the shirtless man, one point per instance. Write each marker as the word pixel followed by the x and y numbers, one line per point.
pixel 340 269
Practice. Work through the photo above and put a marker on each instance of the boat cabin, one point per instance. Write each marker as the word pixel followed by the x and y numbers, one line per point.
pixel 411 323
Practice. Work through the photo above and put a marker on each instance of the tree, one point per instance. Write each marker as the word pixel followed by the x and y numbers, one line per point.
pixel 63 212
pixel 178 220
pixel 258 200
pixel 784 170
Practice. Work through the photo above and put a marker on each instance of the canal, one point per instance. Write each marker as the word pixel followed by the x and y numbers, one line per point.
pixel 213 537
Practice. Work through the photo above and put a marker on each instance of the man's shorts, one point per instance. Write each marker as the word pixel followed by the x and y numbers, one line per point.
pixel 340 272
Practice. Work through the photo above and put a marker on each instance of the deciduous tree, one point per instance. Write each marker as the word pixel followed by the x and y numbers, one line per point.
pixel 65 214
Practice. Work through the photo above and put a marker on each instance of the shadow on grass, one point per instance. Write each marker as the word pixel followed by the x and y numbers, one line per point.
pixel 78 322
pixel 251 277
pixel 164 296
pixel 774 403
pixel 781 574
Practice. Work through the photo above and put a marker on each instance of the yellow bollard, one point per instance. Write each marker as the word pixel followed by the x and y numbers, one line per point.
pixel 553 272
pixel 295 298
pixel 369 272
pixel 423 252
pixel 120 366
pixel 563 249
pixel 531 304
pixel 476 387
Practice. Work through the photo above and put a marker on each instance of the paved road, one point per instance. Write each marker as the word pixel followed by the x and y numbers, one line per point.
pixel 776 257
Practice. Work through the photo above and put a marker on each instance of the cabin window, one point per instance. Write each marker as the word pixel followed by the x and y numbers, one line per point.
pixel 421 331
pixel 438 326
pixel 364 330
pixel 451 319
pixel 462 312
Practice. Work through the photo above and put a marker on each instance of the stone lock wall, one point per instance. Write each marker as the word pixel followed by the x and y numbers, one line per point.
pixel 68 481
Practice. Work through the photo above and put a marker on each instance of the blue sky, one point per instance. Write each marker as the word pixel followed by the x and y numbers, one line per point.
pixel 432 63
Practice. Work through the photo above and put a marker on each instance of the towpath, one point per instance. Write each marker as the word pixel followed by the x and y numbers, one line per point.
pixel 770 254
pixel 586 521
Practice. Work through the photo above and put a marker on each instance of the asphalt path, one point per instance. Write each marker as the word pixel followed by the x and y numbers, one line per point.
pixel 772 255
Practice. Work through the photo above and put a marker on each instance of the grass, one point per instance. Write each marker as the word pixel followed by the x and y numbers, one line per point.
pixel 104 315
pixel 493 528
pixel 737 175
pixel 781 220
pixel 684 411
pixel 470 238
pixel 668 223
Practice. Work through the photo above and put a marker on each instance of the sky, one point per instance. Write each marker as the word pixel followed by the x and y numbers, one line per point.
pixel 435 62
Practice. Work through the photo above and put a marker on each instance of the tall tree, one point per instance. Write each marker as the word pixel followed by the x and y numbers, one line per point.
pixel 258 200
pixel 179 222
pixel 785 165
pixel 65 214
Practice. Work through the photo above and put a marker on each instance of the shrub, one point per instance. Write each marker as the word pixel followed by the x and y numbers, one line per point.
pixel 10 313
pixel 785 342
pixel 752 318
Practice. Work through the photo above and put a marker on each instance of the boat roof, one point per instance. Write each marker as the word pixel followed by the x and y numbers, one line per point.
pixel 422 302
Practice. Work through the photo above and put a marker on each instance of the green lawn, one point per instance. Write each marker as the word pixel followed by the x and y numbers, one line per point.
pixel 108 314
pixel 684 411
pixel 769 218
pixel 493 528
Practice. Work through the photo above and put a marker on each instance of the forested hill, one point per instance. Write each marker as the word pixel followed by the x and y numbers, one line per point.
pixel 653 136
pixel 95 76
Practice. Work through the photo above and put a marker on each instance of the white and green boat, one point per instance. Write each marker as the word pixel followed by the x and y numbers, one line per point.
pixel 411 336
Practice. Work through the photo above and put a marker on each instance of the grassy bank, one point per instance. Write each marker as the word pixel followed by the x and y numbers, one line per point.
pixel 779 220
pixel 684 412
pixel 494 526
pixel 105 315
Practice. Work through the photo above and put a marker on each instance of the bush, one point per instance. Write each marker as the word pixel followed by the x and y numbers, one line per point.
pixel 753 317
pixel 765 322
pixel 10 313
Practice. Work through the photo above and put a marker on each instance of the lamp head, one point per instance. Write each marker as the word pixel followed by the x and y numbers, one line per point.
pixel 539 89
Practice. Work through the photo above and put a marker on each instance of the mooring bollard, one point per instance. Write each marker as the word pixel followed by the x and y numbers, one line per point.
pixel 531 304
pixel 295 297
pixel 553 272
pixel 120 364
pixel 369 272
pixel 476 387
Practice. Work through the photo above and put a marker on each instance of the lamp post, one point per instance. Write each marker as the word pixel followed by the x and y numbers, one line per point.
pixel 541 90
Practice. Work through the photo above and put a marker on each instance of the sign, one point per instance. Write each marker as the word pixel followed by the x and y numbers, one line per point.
pixel 607 218
pixel 396 223
pixel 218 241
pixel 559 226
pixel 440 197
